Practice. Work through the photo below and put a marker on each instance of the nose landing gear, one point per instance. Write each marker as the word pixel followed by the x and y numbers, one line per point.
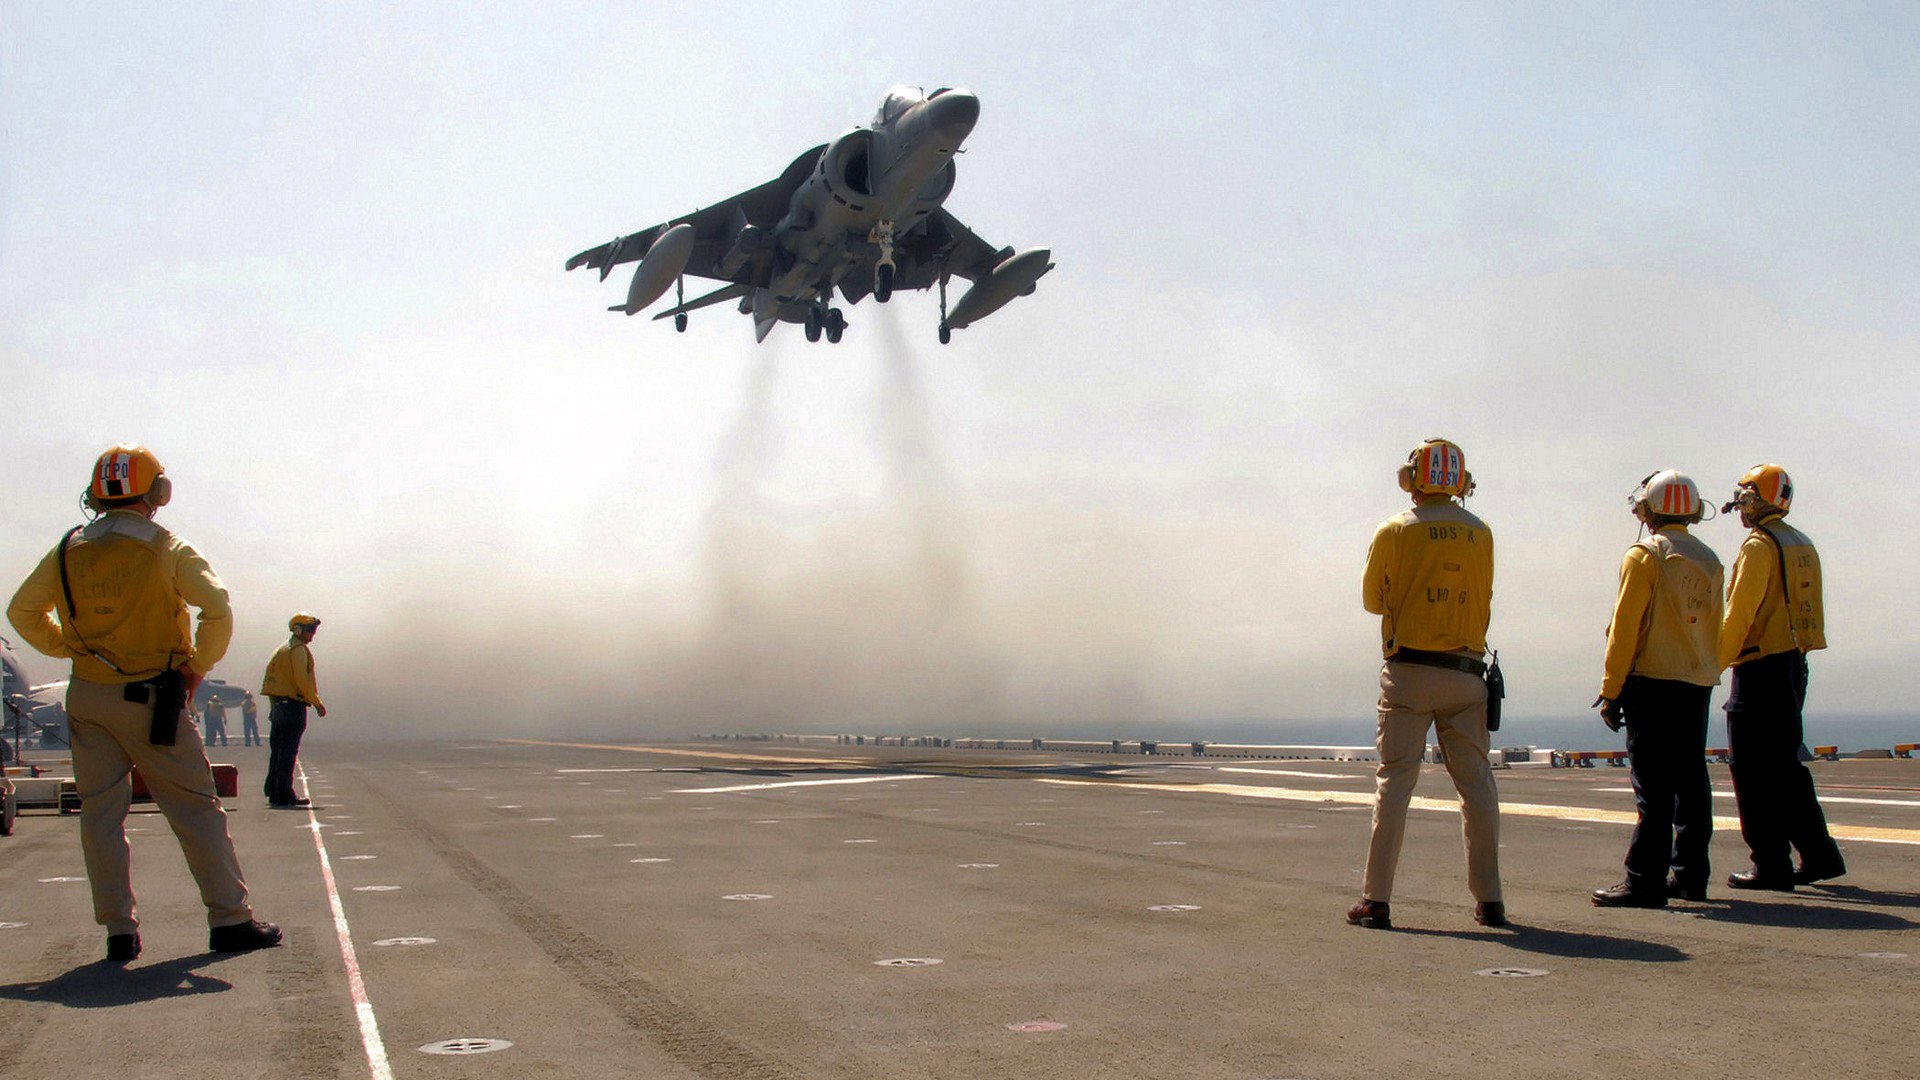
pixel 882 237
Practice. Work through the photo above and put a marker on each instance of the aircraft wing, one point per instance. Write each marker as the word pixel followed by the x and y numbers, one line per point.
pixel 943 243
pixel 713 226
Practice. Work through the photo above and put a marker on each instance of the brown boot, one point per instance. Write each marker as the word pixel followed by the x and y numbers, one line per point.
pixel 1371 914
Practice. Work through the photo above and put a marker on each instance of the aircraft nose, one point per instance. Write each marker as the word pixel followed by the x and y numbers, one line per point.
pixel 953 114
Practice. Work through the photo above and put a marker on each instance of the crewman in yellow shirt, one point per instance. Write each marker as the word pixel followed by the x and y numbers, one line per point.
pixel 121 586
pixel 1662 663
pixel 290 687
pixel 1430 579
pixel 1774 618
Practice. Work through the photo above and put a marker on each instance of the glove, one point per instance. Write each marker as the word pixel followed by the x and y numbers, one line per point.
pixel 322 709
pixel 1611 712
pixel 190 679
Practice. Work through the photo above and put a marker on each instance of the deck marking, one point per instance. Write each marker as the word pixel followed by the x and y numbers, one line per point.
pixel 1299 772
pixel 686 753
pixel 1848 799
pixel 376 1050
pixel 1871 834
pixel 798 783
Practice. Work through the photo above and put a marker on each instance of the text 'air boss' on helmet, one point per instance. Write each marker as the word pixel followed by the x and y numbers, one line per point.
pixel 1437 467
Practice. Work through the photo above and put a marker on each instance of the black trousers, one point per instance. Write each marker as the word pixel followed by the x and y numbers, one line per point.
pixel 1779 811
pixel 286 722
pixel 1667 755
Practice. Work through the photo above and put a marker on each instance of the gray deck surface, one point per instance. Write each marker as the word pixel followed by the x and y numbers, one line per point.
pixel 519 861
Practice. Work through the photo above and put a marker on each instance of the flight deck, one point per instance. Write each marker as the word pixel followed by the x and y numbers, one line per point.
pixel 533 908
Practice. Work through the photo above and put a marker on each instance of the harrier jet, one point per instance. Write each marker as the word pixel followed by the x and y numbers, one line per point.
pixel 859 216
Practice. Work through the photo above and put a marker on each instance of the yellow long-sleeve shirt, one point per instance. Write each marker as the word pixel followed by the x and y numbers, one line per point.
pixel 133 582
pixel 1666 617
pixel 1759 621
pixel 290 674
pixel 1429 577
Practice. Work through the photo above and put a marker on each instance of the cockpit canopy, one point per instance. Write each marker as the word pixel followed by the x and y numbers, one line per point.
pixel 899 100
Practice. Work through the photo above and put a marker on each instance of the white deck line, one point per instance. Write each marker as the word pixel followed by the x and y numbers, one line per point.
pixel 376 1049
pixel 804 783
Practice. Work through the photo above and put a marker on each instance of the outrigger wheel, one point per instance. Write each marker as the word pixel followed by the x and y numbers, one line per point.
pixel 883 282
pixel 946 334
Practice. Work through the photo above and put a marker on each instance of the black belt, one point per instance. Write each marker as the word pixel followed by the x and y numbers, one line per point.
pixel 1450 661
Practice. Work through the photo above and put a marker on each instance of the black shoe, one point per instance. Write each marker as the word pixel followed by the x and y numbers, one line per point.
pixel 1811 872
pixel 122 948
pixel 1677 891
pixel 1754 879
pixel 294 804
pixel 1490 913
pixel 1624 895
pixel 1371 914
pixel 243 937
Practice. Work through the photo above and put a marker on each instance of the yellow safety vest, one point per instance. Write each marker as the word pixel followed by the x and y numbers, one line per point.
pixel 1429 577
pixel 1764 615
pixel 1666 619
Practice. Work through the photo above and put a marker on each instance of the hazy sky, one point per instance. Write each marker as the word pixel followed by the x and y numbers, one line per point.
pixel 311 254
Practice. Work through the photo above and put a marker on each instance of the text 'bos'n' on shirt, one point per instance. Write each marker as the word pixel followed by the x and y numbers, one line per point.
pixel 132 583
pixel 290 673
pixel 1764 615
pixel 1666 617
pixel 1430 579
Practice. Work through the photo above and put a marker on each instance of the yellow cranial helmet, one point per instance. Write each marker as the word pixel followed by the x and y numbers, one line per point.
pixel 127 472
pixel 302 621
pixel 1437 467
pixel 1769 484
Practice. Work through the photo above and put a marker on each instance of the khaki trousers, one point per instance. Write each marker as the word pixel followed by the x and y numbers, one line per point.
pixel 1414 697
pixel 109 737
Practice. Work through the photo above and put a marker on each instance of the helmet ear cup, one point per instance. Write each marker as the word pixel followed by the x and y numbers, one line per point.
pixel 161 493
pixel 1405 476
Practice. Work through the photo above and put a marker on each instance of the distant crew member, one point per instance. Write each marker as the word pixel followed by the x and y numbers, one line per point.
pixel 249 722
pixel 1773 620
pixel 290 688
pixel 1430 579
pixel 121 586
pixel 1662 663
pixel 216 717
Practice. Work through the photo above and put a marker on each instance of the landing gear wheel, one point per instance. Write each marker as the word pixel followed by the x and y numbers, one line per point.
pixel 836 325
pixel 680 322
pixel 946 335
pixel 813 324
pixel 883 283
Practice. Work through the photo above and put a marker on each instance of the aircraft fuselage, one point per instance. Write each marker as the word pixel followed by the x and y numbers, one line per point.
pixel 885 177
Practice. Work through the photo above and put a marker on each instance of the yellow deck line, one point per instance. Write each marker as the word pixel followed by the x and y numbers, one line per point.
pixel 1863 833
pixel 715 754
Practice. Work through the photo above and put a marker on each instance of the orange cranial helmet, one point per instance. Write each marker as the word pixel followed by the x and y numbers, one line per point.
pixel 302 621
pixel 125 473
pixel 1437 467
pixel 1768 485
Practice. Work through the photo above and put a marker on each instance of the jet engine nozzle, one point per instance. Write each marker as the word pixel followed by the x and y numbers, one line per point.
pixel 663 263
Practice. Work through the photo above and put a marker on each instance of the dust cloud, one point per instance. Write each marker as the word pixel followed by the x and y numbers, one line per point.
pixel 858 618
pixel 840 618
